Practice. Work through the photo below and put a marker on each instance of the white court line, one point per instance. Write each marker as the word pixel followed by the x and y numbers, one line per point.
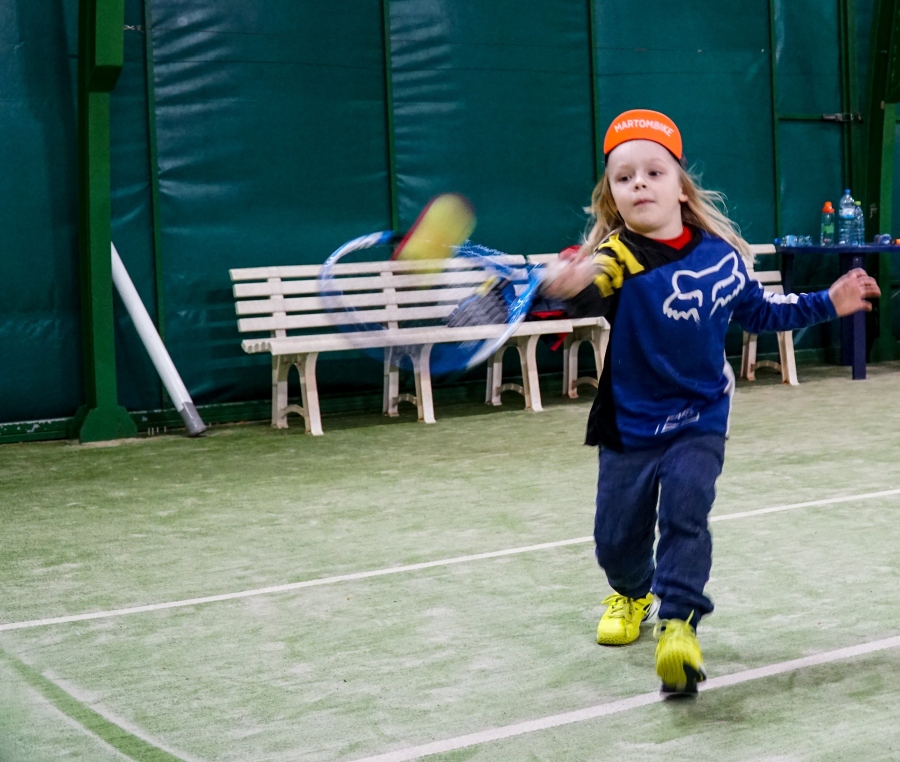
pixel 624 705
pixel 809 504
pixel 398 569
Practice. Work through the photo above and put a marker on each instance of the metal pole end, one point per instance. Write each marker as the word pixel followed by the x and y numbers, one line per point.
pixel 192 420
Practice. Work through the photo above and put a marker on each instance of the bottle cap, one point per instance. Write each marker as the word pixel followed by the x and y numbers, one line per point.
pixel 828 208
pixel 858 203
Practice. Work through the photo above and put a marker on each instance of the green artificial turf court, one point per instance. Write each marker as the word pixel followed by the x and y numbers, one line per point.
pixel 469 640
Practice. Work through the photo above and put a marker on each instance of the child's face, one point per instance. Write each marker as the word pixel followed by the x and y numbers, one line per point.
pixel 646 187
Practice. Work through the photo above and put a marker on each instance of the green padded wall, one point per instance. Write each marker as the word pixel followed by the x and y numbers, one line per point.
pixel 493 100
pixel 40 334
pixel 284 127
pixel 272 141
pixel 712 75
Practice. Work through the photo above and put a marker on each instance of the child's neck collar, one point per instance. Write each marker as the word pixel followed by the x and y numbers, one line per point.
pixel 679 241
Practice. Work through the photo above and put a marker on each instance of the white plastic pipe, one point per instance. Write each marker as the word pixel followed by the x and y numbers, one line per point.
pixel 155 348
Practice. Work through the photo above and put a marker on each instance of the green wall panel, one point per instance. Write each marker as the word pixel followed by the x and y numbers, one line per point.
pixel 712 75
pixel 273 148
pixel 272 143
pixel 811 174
pixel 40 335
pixel 864 11
pixel 895 231
pixel 493 100
pixel 808 54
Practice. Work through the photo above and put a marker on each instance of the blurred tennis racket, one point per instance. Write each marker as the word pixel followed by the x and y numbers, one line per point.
pixel 431 276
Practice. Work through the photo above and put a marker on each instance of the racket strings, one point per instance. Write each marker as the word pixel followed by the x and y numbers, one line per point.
pixel 487 308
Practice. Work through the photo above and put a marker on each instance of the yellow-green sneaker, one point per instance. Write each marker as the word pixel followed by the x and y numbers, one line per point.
pixel 621 622
pixel 679 660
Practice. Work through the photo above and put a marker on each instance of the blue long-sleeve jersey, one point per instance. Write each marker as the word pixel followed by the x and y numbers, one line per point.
pixel 665 371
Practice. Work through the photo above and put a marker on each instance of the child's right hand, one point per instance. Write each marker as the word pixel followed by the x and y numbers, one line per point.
pixel 565 279
pixel 850 292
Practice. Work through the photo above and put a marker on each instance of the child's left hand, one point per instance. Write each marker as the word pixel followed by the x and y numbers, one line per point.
pixel 850 292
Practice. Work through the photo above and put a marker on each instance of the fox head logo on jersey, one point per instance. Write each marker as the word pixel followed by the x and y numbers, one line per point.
pixel 714 287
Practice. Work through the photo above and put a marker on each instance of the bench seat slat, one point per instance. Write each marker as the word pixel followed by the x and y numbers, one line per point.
pixel 291 345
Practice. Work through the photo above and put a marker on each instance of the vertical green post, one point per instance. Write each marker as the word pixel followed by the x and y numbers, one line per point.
pixel 776 157
pixel 599 165
pixel 389 114
pixel 100 59
pixel 853 163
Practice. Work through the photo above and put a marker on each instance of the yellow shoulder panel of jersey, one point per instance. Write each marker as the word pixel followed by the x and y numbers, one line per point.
pixel 612 266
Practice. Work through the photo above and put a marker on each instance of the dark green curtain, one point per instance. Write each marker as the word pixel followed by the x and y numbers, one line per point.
pixel 493 100
pixel 272 142
pixel 40 335
pixel 285 127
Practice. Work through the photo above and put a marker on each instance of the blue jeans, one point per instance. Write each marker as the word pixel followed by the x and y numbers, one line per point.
pixel 678 479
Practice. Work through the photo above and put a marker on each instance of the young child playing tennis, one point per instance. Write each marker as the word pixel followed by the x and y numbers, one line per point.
pixel 667 269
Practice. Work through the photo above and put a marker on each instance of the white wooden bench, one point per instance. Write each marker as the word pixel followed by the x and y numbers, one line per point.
pixel 771 281
pixel 285 305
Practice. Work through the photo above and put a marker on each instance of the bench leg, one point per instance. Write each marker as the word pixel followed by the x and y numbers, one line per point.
pixel 391 385
pixel 281 367
pixel 495 385
pixel 571 367
pixel 598 337
pixel 601 343
pixel 391 397
pixel 567 351
pixel 422 371
pixel 748 357
pixel 786 353
pixel 530 388
pixel 527 346
pixel 495 377
pixel 309 392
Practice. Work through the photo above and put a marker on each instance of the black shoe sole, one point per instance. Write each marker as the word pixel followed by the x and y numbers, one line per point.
pixel 688 690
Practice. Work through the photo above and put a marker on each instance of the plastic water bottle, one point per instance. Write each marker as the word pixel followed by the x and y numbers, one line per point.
pixel 826 232
pixel 859 225
pixel 846 215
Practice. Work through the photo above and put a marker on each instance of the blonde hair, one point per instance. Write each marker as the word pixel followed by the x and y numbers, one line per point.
pixel 704 209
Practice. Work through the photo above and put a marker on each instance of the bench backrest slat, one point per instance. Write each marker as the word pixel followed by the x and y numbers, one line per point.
pixel 766 277
pixel 361 283
pixel 374 299
pixel 355 268
pixel 284 322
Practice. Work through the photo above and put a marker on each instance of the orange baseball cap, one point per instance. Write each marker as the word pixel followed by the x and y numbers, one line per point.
pixel 643 124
